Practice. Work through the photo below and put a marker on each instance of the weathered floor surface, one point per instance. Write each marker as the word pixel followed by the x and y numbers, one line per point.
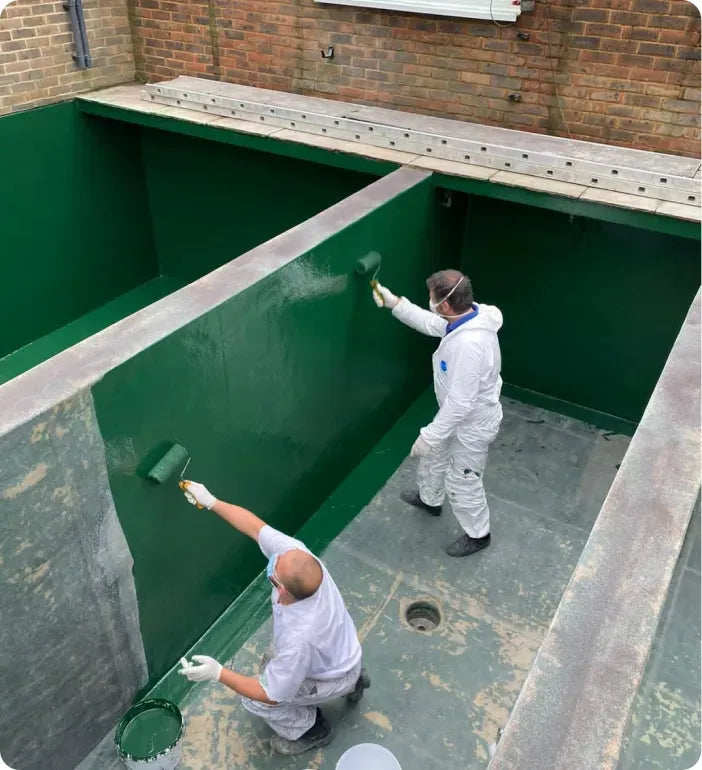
pixel 438 698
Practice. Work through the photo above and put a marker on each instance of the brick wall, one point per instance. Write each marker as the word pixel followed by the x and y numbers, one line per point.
pixel 36 48
pixel 617 71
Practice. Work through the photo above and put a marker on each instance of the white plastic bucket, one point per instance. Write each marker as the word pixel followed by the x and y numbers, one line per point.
pixel 368 756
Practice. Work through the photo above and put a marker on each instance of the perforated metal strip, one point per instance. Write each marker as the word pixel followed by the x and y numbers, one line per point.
pixel 588 173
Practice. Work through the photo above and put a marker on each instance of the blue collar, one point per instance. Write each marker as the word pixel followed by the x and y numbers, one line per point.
pixel 463 319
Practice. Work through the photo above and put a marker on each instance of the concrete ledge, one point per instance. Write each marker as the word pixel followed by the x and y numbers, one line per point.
pixel 555 166
pixel 574 707
pixel 78 367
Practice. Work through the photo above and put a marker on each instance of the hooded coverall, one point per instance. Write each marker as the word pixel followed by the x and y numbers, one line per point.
pixel 467 384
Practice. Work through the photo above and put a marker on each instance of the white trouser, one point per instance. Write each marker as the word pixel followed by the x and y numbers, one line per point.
pixel 456 468
pixel 292 719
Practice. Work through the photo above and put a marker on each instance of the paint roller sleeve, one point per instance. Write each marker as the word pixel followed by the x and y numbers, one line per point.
pixel 368 264
pixel 174 460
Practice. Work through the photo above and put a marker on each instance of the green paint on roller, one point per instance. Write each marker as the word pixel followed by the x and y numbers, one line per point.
pixel 174 460
pixel 369 264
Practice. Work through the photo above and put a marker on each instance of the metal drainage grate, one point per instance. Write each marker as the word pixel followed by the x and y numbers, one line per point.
pixel 423 615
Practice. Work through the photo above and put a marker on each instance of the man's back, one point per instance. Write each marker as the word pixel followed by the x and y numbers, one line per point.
pixel 314 638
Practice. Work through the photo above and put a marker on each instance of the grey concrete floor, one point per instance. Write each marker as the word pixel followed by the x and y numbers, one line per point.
pixel 438 698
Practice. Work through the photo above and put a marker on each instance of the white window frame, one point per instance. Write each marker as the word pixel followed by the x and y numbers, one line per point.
pixel 491 10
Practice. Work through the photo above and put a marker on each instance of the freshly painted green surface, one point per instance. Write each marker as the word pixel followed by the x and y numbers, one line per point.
pixel 591 309
pixel 75 225
pixel 495 610
pixel 277 394
pixel 94 321
pixel 211 202
pixel 252 607
pixel 639 219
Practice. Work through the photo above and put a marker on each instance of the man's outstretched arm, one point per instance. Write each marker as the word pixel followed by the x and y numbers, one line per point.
pixel 241 519
pixel 210 670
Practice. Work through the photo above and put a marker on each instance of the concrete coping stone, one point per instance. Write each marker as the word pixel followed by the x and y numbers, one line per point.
pixel 133 97
pixel 574 707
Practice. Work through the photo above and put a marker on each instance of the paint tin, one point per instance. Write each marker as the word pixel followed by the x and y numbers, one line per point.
pixel 150 736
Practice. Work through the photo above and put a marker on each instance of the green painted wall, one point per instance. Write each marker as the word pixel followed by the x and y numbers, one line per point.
pixel 211 202
pixel 277 394
pixel 591 308
pixel 75 224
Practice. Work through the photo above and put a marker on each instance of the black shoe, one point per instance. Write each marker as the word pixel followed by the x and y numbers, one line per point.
pixel 412 497
pixel 466 545
pixel 318 735
pixel 362 684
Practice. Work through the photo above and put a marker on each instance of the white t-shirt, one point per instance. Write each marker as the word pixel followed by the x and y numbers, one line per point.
pixel 314 638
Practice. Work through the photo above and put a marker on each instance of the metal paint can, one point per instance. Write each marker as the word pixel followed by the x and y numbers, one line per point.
pixel 150 736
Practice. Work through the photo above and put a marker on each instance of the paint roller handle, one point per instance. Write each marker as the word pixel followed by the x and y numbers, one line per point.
pixel 196 494
pixel 383 297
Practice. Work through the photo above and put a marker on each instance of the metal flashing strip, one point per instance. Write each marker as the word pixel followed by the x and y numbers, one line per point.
pixel 635 172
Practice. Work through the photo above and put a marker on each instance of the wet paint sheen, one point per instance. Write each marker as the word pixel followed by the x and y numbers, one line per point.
pixel 591 309
pixel 75 224
pixel 276 394
pixel 150 732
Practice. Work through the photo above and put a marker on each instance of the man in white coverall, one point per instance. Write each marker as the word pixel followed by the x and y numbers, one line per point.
pixel 316 655
pixel 453 448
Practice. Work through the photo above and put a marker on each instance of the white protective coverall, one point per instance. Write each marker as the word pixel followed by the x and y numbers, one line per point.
pixel 467 384
pixel 316 653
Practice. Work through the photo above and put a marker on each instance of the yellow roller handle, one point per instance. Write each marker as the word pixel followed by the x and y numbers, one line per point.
pixel 374 286
pixel 184 486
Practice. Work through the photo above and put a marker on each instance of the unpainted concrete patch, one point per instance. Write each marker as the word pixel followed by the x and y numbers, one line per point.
pixel 37 474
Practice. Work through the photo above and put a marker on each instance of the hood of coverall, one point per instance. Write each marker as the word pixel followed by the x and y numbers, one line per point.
pixel 489 318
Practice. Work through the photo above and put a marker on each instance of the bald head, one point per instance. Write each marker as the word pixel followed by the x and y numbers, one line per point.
pixel 300 573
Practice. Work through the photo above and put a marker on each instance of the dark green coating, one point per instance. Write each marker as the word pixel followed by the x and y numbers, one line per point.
pixel 276 394
pixel 211 202
pixel 76 230
pixel 252 607
pixel 97 226
pixel 591 308
pixel 149 728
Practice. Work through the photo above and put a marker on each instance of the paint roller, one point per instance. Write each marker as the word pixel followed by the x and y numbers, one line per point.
pixel 370 264
pixel 176 458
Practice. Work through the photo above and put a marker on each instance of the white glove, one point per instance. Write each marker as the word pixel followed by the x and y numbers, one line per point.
pixel 420 448
pixel 384 297
pixel 196 494
pixel 208 670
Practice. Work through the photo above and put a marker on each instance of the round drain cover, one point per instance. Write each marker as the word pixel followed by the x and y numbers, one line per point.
pixel 423 615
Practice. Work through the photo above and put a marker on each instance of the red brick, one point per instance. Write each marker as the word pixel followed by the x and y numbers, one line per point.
pixel 652 6
pixel 591 14
pixel 648 34
pixel 603 30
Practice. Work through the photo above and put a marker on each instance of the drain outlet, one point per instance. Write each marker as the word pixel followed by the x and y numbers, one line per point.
pixel 423 615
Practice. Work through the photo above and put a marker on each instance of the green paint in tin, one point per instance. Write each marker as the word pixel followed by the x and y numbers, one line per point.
pixel 148 730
